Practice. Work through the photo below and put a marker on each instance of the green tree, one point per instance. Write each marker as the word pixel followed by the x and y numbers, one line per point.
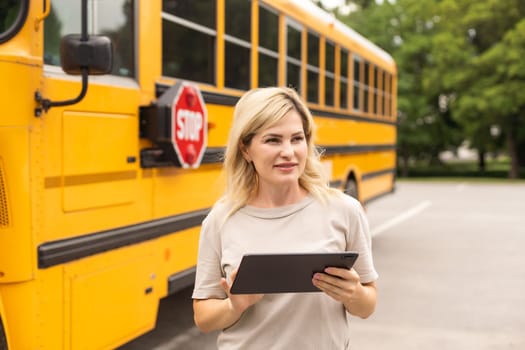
pixel 505 91
pixel 405 29
pixel 460 73
pixel 476 64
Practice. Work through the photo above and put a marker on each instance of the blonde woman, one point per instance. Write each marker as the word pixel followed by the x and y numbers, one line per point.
pixel 277 200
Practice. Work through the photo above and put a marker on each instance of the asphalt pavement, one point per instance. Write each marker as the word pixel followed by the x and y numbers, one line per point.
pixel 452 273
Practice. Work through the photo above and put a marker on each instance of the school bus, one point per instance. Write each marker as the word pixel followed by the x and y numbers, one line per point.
pixel 114 117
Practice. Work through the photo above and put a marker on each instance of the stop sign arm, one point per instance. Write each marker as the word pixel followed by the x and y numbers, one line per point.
pixel 177 126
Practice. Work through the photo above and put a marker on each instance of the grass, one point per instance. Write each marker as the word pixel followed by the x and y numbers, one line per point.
pixel 496 169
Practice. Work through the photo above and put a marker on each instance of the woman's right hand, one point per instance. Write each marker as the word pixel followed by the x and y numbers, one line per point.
pixel 239 302
pixel 214 314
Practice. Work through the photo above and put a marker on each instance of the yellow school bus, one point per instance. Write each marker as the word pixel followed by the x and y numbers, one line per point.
pixel 114 117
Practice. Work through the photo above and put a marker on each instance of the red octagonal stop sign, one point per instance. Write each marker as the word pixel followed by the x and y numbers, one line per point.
pixel 189 120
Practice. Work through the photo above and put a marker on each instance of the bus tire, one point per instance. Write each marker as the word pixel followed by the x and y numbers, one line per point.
pixel 351 188
pixel 3 339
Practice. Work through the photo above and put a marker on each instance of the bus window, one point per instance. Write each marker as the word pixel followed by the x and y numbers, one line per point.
pixel 343 81
pixel 312 75
pixel 112 18
pixel 388 94
pixel 190 25
pixel 375 107
pixel 329 74
pixel 383 109
pixel 293 55
pixel 268 47
pixel 12 16
pixel 357 83
pixel 237 45
pixel 366 86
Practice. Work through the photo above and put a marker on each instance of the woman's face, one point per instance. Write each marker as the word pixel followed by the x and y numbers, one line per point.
pixel 279 152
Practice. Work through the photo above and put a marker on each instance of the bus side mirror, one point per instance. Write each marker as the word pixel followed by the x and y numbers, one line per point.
pixel 95 54
pixel 80 54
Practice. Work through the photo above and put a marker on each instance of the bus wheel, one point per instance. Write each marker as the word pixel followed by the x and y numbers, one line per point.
pixel 3 339
pixel 351 188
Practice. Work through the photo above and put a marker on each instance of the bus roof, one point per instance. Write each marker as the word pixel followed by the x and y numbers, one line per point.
pixel 330 20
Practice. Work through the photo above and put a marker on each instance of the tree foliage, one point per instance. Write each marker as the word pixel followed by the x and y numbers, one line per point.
pixel 461 73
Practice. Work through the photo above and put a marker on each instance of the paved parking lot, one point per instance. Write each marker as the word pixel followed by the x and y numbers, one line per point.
pixel 452 273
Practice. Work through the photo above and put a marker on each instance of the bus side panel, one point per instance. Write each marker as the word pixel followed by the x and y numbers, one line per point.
pixel 364 164
pixel 219 120
pixel 105 317
pixel 19 301
pixel 50 307
pixel 351 132
pixel 4 333
pixel 377 186
pixel 100 173
pixel 93 181
pixel 179 253
pixel 179 190
pixel 15 231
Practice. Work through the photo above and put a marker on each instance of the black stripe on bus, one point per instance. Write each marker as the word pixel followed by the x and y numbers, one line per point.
pixel 231 100
pixel 215 154
pixel 208 96
pixel 219 99
pixel 181 280
pixel 62 251
pixel 66 250
pixel 328 150
pixel 335 115
pixel 373 174
pixel 364 177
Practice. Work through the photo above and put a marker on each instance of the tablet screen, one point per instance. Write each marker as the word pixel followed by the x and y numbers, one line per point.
pixel 285 273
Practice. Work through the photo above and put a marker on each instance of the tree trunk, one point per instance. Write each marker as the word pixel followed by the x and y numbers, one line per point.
pixel 481 160
pixel 521 153
pixel 404 162
pixel 513 153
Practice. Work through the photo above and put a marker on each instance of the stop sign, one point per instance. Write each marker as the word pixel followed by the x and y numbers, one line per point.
pixel 189 122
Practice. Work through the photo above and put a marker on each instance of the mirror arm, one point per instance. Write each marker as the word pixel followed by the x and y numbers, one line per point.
pixel 45 103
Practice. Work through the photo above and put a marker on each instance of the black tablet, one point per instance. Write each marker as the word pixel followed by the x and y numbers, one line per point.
pixel 285 273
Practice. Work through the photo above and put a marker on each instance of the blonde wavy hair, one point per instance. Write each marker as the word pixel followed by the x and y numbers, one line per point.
pixel 256 110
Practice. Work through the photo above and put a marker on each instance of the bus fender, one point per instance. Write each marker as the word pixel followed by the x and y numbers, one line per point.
pixel 351 186
pixel 4 334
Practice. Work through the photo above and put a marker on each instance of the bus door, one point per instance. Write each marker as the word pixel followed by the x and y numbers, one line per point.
pixel 92 182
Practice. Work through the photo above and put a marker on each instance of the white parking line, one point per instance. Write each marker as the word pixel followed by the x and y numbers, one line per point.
pixel 400 218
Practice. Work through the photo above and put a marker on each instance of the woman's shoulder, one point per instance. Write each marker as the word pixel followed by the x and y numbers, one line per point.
pixel 222 206
pixel 219 211
pixel 341 201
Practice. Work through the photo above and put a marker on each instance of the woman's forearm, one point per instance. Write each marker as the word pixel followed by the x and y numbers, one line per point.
pixel 214 314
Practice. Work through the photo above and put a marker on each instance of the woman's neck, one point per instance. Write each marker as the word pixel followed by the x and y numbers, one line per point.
pixel 277 197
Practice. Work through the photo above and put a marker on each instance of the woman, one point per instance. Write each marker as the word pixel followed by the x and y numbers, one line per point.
pixel 278 200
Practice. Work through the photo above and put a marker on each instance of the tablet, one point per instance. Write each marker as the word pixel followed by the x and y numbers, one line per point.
pixel 285 273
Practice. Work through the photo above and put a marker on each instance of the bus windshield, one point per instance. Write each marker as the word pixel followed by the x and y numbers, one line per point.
pixel 10 17
pixel 112 18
